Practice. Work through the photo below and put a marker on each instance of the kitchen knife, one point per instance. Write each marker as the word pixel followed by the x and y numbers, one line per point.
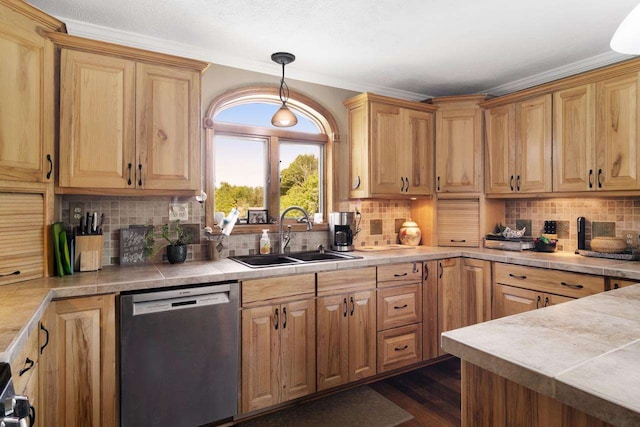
pixel 83 224
pixel 89 223
pixel 95 223
pixel 101 222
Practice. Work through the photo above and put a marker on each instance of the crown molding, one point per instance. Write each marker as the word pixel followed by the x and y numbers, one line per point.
pixel 574 68
pixel 156 44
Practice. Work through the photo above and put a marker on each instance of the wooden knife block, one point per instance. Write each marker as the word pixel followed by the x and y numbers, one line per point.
pixel 88 256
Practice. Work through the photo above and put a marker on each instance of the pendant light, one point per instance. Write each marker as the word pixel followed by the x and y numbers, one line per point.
pixel 284 117
pixel 626 39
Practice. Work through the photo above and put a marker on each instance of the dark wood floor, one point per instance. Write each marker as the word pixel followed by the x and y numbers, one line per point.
pixel 430 394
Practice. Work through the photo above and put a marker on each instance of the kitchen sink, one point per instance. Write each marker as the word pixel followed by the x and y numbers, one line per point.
pixel 299 258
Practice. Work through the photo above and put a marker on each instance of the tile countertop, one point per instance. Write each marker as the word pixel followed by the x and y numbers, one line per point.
pixel 22 304
pixel 584 353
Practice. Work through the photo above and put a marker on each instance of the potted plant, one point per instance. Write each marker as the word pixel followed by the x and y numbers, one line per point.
pixel 177 237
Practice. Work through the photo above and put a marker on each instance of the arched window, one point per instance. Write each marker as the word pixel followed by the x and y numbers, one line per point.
pixel 257 167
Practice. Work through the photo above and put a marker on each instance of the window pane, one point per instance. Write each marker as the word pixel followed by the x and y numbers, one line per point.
pixel 259 114
pixel 240 173
pixel 300 177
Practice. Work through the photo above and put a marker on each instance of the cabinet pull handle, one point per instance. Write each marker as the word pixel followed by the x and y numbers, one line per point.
pixel 28 363
pixel 415 267
pixel 140 177
pixel 599 178
pixel 353 306
pixel 400 275
pixel 438 184
pixel 441 270
pixel 458 241
pixel 277 319
pixel 15 273
pixel 518 183
pixel 515 276
pixel 590 178
pixel 284 321
pixel 407 187
pixel 426 272
pixel 546 301
pixel 615 286
pixel 538 302
pixel 402 181
pixel 50 166
pixel 395 307
pixel 511 182
pixel 569 285
pixel 404 347
pixel 46 340
pixel 345 307
pixel 129 181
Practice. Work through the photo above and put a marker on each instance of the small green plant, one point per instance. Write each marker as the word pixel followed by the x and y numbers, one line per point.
pixel 175 236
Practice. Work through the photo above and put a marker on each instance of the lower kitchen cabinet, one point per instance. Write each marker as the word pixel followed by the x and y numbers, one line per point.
pixel 78 372
pixel 508 300
pixel 346 338
pixel 430 335
pixel 399 347
pixel 278 354
pixel 464 293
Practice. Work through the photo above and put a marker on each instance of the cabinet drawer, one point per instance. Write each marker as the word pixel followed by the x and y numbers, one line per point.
pixel 340 281
pixel 278 288
pixel 19 363
pixel 396 274
pixel 574 285
pixel 399 347
pixel 399 306
pixel 614 283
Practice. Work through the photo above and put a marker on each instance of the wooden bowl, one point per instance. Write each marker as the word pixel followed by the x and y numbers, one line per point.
pixel 608 245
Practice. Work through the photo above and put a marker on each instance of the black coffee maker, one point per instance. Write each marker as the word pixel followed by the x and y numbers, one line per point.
pixel 341 231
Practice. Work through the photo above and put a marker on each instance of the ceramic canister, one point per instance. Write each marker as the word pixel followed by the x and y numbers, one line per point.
pixel 410 233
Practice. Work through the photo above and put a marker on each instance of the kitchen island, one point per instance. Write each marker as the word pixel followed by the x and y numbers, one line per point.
pixel 573 364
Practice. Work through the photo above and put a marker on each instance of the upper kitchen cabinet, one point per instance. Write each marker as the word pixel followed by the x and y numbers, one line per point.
pixel 129 120
pixel 391 151
pixel 519 147
pixel 458 144
pixel 27 112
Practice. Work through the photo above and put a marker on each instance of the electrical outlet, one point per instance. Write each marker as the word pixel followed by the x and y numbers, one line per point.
pixel 76 212
pixel 179 211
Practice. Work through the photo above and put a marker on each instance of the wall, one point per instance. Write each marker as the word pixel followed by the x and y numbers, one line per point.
pixel 121 212
pixel 620 215
pixel 381 220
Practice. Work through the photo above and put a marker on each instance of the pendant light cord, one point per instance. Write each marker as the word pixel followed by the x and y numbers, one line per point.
pixel 283 86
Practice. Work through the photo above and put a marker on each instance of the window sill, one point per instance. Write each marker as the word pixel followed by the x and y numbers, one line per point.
pixel 273 228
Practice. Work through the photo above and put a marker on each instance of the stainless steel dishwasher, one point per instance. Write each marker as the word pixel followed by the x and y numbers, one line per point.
pixel 179 356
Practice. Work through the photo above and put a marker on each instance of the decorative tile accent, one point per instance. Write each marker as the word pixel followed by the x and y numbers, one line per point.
pixel 603 229
pixel 520 223
pixel 562 227
pixel 375 225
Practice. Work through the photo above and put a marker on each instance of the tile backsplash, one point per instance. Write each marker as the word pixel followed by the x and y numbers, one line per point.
pixel 379 219
pixel 621 215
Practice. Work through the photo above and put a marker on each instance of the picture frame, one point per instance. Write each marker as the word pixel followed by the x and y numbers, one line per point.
pixel 257 216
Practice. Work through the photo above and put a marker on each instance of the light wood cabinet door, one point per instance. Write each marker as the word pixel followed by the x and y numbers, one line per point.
pixel 508 300
pixel 97 127
pixel 167 123
pixel 47 409
pixel 617 127
pixel 359 155
pixel 458 222
pixel 574 117
pixel 333 341
pixel 533 145
pixel 298 349
pixel 387 152
pixel 362 335
pixel 27 102
pixel 458 150
pixel 449 297
pixel 260 357
pixel 500 157
pixel 82 387
pixel 430 335
pixel 615 283
pixel 418 154
pixel 475 280
pixel 551 299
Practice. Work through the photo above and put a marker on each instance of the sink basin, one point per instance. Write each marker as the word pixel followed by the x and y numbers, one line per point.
pixel 259 261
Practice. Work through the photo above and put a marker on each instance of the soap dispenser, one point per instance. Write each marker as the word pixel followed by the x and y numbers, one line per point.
pixel 265 243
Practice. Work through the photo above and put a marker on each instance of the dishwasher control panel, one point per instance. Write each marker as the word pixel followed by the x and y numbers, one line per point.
pixel 157 306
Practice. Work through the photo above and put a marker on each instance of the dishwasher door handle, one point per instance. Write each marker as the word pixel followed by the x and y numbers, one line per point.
pixel 163 305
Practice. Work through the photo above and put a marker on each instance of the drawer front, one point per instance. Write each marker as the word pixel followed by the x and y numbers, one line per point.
pixel 25 361
pixel 399 347
pixel 613 283
pixel 340 281
pixel 396 274
pixel 399 306
pixel 573 285
pixel 253 291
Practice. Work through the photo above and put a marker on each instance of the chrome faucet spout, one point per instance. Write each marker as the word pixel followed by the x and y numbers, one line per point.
pixel 284 244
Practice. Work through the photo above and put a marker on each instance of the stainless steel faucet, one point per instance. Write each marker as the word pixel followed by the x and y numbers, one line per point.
pixel 284 240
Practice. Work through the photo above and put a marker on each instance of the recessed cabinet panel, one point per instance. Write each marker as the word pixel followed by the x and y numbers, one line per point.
pixel 419 156
pixel 386 127
pixel 533 145
pixel 501 140
pixel 333 341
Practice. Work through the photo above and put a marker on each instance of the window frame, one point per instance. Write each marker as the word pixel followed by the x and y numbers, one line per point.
pixel 301 104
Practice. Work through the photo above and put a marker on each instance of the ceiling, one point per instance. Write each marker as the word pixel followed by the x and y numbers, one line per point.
pixel 410 49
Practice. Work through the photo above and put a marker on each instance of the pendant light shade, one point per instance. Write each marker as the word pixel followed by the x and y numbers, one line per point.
pixel 284 117
pixel 626 39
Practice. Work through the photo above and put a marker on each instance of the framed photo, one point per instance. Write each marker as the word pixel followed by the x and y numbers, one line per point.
pixel 257 216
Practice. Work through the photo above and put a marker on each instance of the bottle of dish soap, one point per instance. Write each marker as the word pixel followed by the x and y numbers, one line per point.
pixel 265 243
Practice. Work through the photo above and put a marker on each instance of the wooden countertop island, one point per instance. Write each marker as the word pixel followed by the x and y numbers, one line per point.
pixel 572 364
